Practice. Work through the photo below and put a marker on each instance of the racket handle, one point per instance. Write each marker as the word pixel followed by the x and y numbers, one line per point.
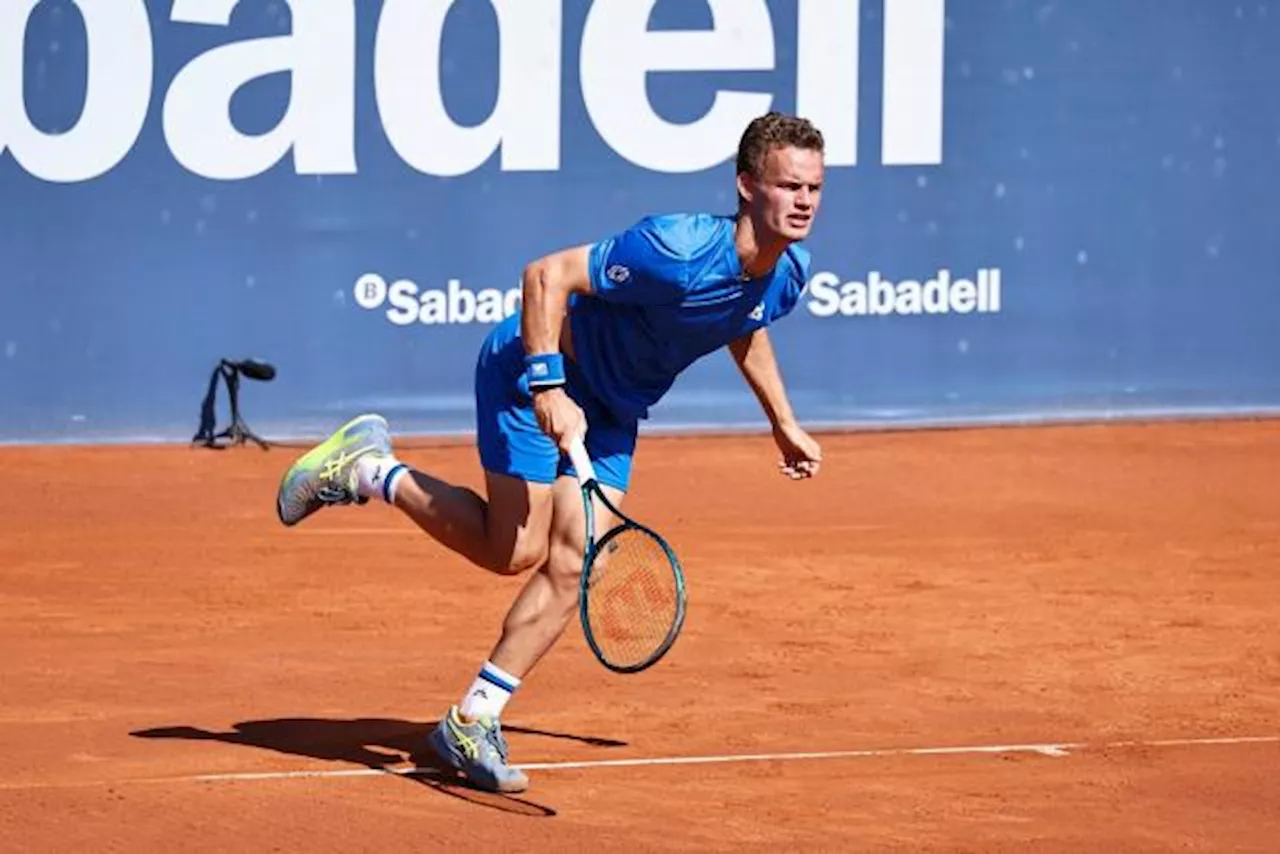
pixel 581 461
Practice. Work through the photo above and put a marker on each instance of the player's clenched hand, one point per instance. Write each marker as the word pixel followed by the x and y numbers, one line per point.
pixel 559 417
pixel 801 454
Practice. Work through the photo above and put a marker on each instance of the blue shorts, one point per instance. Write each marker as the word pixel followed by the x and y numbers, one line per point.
pixel 507 431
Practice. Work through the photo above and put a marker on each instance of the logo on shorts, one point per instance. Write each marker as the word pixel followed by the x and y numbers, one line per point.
pixel 618 273
pixel 757 313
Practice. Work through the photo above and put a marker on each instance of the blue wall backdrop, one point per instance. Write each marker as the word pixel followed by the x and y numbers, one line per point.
pixel 1034 210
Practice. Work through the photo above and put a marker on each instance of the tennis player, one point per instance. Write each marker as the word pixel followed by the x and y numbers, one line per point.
pixel 603 331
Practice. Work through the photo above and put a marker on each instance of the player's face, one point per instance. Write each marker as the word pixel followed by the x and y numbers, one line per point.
pixel 785 198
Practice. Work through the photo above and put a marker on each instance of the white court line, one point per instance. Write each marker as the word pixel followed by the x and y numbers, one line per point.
pixel 1052 749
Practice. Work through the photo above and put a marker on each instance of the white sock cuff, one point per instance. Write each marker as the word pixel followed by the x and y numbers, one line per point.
pixel 391 480
pixel 489 693
pixel 377 476
pixel 491 672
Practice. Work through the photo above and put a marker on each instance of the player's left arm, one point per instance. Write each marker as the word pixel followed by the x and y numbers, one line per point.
pixel 753 353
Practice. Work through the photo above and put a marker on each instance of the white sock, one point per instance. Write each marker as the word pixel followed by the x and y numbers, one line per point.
pixel 488 695
pixel 378 476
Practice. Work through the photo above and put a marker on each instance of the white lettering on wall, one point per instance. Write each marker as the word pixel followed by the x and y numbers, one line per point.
pixel 525 122
pixel 116 96
pixel 827 74
pixel 618 51
pixel 524 127
pixel 318 124
pixel 914 33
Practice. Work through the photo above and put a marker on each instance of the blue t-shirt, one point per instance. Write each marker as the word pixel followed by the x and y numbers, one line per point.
pixel 666 292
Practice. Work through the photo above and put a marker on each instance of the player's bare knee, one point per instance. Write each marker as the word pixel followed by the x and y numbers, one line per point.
pixel 518 524
pixel 523 558
pixel 564 563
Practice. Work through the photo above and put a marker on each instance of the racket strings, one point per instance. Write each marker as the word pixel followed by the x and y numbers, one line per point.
pixel 634 598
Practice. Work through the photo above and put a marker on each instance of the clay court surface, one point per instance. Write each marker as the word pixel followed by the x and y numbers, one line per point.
pixel 1087 614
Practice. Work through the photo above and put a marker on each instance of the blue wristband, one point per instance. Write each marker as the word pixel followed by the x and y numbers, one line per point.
pixel 544 370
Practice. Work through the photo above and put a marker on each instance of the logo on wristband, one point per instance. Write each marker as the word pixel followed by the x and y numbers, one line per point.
pixel 544 370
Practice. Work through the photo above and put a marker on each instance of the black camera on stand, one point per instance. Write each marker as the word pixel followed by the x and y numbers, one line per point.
pixel 238 433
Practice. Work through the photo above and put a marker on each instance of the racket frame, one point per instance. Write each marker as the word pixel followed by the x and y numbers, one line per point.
pixel 590 487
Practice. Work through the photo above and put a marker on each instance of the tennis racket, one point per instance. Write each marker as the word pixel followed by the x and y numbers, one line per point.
pixel 632 596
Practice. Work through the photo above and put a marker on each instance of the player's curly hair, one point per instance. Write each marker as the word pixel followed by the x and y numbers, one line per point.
pixel 772 130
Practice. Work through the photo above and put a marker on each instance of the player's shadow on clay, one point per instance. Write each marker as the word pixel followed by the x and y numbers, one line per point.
pixel 395 746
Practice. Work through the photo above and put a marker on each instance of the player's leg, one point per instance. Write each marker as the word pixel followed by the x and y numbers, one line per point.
pixel 507 532
pixel 537 618
pixel 549 599
pixel 469 737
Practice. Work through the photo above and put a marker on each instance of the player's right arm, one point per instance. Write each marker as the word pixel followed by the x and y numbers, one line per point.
pixel 646 264
pixel 546 286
